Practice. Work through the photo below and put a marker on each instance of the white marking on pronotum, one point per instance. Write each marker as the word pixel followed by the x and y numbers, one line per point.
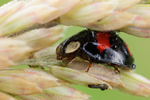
pixel 72 47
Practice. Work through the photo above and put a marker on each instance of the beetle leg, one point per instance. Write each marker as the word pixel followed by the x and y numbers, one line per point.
pixel 116 69
pixel 100 86
pixel 36 66
pixel 68 59
pixel 90 66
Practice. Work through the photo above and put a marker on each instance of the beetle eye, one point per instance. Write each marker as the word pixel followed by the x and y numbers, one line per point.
pixel 72 47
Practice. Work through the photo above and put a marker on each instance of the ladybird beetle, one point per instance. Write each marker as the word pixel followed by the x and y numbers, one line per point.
pixel 97 47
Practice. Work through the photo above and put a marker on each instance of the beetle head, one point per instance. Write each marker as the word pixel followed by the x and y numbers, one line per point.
pixel 67 50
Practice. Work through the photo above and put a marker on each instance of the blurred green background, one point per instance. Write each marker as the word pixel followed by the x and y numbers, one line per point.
pixel 140 48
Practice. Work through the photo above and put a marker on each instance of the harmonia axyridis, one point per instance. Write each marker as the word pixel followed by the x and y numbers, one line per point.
pixel 98 47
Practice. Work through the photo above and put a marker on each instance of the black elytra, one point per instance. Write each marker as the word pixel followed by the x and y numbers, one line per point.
pixel 98 47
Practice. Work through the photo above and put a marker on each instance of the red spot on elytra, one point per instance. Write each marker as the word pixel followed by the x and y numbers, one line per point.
pixel 129 50
pixel 103 41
